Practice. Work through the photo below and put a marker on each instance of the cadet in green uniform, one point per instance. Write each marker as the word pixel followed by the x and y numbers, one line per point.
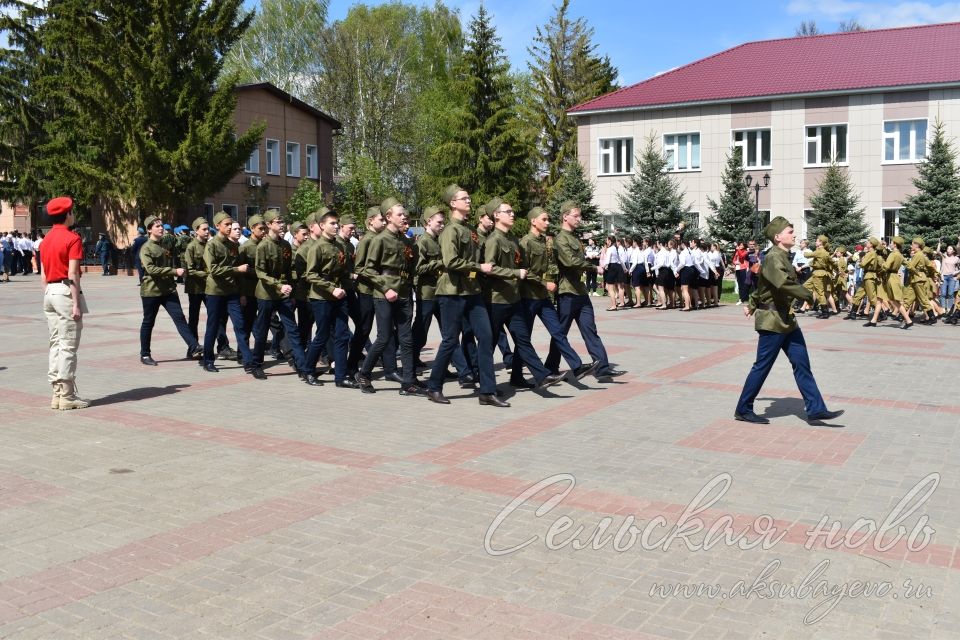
pixel 247 282
pixel 540 284
pixel 159 289
pixel 917 267
pixel 502 251
pixel 773 315
pixel 573 303
pixel 893 289
pixel 348 226
pixel 301 238
pixel 195 284
pixel 387 266
pixel 363 322
pixel 485 225
pixel 822 279
pixel 870 264
pixel 840 277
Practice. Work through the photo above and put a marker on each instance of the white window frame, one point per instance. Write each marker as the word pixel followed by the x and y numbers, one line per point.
pixel 693 218
pixel 273 157
pixel 896 220
pixel 818 139
pixel 743 145
pixel 675 147
pixel 896 142
pixel 626 158
pixel 232 210
pixel 293 159
pixel 313 170
pixel 253 162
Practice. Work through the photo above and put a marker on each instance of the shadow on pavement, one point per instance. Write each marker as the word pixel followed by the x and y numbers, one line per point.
pixel 143 393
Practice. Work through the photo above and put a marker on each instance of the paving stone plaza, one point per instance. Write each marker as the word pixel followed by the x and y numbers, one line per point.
pixel 185 504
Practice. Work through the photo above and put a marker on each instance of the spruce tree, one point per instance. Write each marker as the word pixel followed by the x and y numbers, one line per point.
pixel 836 210
pixel 490 153
pixel 306 199
pixel 733 217
pixel 574 185
pixel 653 203
pixel 934 211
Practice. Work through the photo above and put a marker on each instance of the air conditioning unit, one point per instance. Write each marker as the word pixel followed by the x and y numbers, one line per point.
pixel 254 181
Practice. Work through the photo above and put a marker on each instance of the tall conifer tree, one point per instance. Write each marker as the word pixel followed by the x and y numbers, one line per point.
pixel 733 215
pixel 653 203
pixel 934 211
pixel 836 210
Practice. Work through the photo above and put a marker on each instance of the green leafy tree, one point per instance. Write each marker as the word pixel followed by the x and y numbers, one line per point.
pixel 363 187
pixel 653 202
pixel 934 211
pixel 574 185
pixel 733 216
pixel 490 150
pixel 836 210
pixel 306 199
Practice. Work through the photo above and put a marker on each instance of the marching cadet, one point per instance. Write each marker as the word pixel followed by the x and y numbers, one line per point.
pixel 387 265
pixel 195 285
pixel 274 266
pixel 840 280
pixel 458 293
pixel 247 282
pixel 326 273
pixel 540 284
pixel 573 303
pixel 299 237
pixel 502 250
pixel 363 323
pixel 221 256
pixel 821 282
pixel 159 289
pixel 870 264
pixel 892 287
pixel 485 225
pixel 919 282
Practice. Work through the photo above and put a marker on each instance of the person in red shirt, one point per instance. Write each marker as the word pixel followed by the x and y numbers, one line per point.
pixel 63 303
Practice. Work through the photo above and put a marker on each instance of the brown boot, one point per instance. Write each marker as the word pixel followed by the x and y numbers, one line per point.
pixel 55 400
pixel 69 398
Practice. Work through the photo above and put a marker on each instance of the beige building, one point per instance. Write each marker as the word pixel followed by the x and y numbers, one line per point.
pixel 868 100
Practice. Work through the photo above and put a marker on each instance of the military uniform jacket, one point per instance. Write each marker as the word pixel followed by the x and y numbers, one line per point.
pixel 538 260
pixel 771 303
pixel 893 263
pixel 350 252
pixel 274 267
pixel 571 264
pixel 917 267
pixel 325 268
pixel 820 262
pixel 459 249
pixel 503 282
pixel 158 270
pixel 300 284
pixel 195 281
pixel 429 266
pixel 364 286
pixel 870 263
pixel 221 255
pixel 388 264
pixel 247 282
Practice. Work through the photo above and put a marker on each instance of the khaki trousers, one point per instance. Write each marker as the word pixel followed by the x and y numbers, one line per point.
pixel 64 332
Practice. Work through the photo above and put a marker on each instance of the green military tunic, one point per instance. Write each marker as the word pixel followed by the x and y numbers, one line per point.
pixel 771 303
pixel 350 252
pixel 571 264
pixel 247 282
pixel 821 280
pixel 221 255
pixel 503 282
pixel 300 285
pixel 919 282
pixel 870 264
pixel 541 268
pixel 364 286
pixel 325 268
pixel 195 281
pixel 429 266
pixel 388 264
pixel 159 272
pixel 892 285
pixel 459 249
pixel 274 264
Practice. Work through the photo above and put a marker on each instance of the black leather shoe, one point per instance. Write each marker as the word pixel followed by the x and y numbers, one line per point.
pixel 825 415
pixel 394 377
pixel 551 380
pixel 413 390
pixel 347 383
pixel 523 384
pixel 467 383
pixel 585 369
pixel 256 372
pixel 904 325
pixel 147 360
pixel 194 353
pixel 608 376
pixel 437 396
pixel 870 324
pixel 211 368
pixel 421 364
pixel 311 380
pixel 750 417
pixel 492 400
pixel 364 383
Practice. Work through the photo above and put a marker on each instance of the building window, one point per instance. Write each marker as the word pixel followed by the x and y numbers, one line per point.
pixel 891 223
pixel 273 157
pixel 804 230
pixel 232 210
pixel 252 211
pixel 253 162
pixel 312 161
pixel 755 145
pixel 692 219
pixel 682 151
pixel 293 159
pixel 616 156
pixel 208 211
pixel 904 140
pixel 826 144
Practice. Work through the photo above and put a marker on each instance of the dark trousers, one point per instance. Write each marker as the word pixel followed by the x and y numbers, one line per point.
pixel 218 308
pixel 194 302
pixel 285 309
pixel 392 315
pixel 105 263
pixel 769 346
pixel 513 317
pixel 151 307
pixel 39 263
pixel 304 322
pixel 426 311
pixel 249 311
pixel 27 264
pixel 454 310
pixel 545 310
pixel 570 308
pixel 592 277
pixel 742 287
pixel 362 326
pixel 330 316
pixel 140 274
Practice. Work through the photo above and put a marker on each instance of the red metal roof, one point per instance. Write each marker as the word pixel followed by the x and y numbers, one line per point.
pixel 924 55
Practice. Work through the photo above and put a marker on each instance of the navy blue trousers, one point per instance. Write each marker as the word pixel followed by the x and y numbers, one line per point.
pixel 151 307
pixel 426 311
pixel 392 317
pixel 331 318
pixel 769 346
pixel 570 308
pixel 195 301
pixel 219 307
pixel 545 310
pixel 285 309
pixel 454 310
pixel 514 318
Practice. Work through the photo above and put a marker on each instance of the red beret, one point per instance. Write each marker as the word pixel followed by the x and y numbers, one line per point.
pixel 59 206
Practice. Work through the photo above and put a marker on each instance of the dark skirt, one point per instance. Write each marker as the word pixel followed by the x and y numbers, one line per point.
pixel 639 277
pixel 665 278
pixel 689 276
pixel 613 273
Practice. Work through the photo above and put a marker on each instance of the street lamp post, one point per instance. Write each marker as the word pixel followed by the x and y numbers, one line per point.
pixel 756 194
